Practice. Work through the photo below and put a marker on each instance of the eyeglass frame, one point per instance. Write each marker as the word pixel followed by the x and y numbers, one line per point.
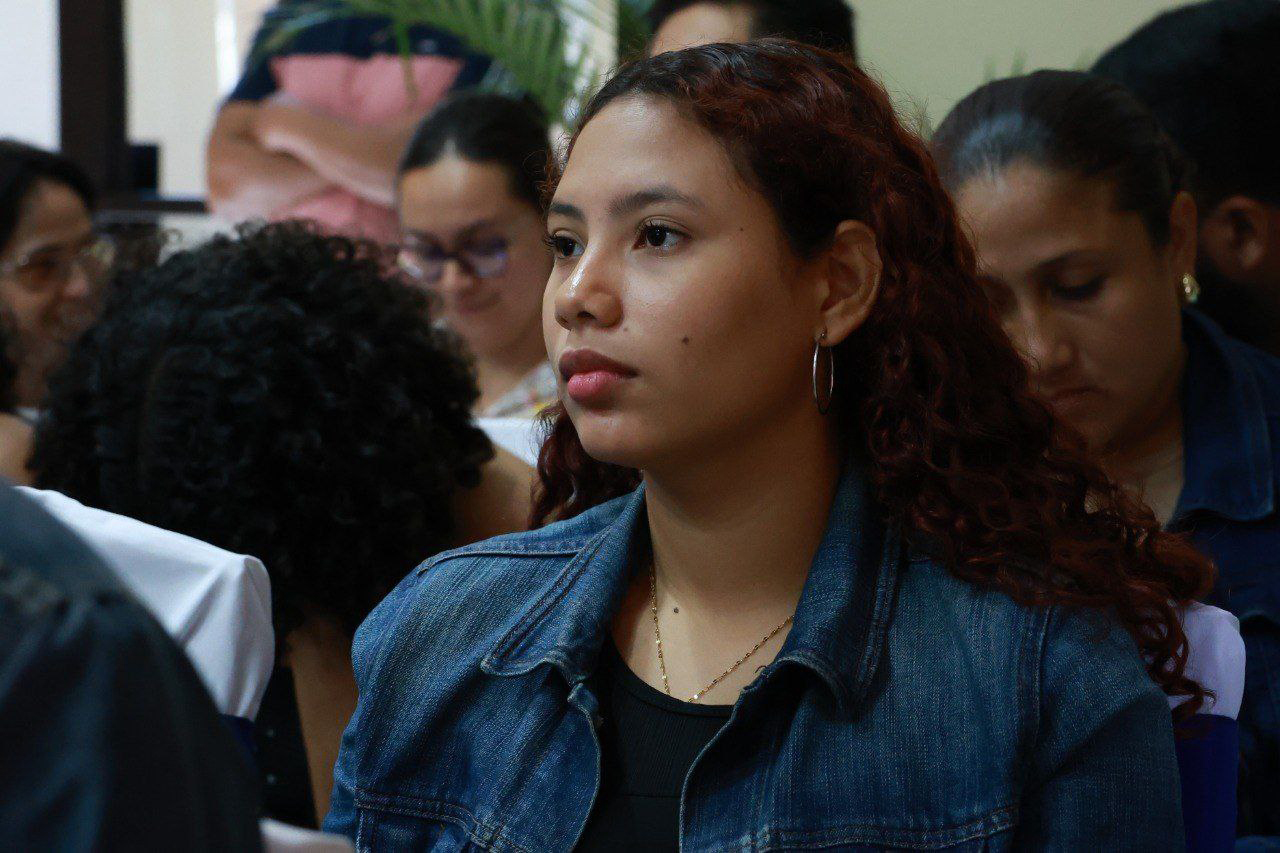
pixel 463 256
pixel 99 244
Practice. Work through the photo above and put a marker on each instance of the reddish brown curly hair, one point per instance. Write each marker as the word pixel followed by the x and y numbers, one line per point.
pixel 933 396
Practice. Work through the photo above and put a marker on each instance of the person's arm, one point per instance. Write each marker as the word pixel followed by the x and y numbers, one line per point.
pixel 1103 774
pixel 245 180
pixel 360 159
pixel 15 449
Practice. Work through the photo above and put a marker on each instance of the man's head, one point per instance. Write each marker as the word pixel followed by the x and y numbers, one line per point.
pixel 679 24
pixel 1211 74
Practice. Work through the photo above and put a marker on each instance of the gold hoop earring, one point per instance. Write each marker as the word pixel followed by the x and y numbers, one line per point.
pixel 1190 289
pixel 824 406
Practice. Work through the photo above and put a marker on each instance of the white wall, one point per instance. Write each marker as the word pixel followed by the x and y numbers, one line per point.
pixel 172 85
pixel 931 53
pixel 29 71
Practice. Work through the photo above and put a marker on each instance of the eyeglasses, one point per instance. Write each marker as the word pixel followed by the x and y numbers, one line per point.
pixel 425 260
pixel 50 267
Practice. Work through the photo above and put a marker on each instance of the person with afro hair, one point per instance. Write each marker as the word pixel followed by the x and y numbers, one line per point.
pixel 279 393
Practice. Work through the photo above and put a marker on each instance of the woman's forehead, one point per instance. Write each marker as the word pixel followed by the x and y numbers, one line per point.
pixel 637 141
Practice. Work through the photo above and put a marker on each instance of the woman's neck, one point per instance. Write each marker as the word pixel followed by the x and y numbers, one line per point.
pixel 499 373
pixel 1151 464
pixel 324 684
pixel 739 528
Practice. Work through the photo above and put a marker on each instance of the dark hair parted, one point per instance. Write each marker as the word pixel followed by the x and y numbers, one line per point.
pixel 935 401
pixel 1210 72
pixel 276 394
pixel 823 23
pixel 22 167
pixel 484 127
pixel 1071 122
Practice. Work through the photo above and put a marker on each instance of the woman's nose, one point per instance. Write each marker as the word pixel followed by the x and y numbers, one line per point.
pixel 588 295
pixel 455 278
pixel 80 286
pixel 1043 339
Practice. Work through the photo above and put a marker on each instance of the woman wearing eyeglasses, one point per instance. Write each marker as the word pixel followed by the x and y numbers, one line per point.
pixel 51 263
pixel 472 236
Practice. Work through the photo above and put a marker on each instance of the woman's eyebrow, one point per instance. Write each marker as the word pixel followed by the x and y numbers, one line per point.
pixel 560 208
pixel 630 203
pixel 635 201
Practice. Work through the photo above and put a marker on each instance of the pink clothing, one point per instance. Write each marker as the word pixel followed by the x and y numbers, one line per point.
pixel 370 91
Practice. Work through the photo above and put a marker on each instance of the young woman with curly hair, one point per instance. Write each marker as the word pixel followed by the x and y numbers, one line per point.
pixel 278 394
pixel 821 572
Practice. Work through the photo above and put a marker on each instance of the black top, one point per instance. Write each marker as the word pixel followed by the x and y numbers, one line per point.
pixel 648 742
pixel 282 754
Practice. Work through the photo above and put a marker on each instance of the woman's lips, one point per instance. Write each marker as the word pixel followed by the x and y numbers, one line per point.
pixel 594 387
pixel 591 378
pixel 1070 398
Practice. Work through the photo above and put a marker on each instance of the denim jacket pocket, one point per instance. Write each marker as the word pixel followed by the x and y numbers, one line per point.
pixel 403 823
pixel 992 832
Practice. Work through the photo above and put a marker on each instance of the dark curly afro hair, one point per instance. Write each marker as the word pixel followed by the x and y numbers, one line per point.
pixel 278 394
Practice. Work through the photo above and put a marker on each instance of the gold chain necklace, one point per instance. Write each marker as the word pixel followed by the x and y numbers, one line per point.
pixel 662 663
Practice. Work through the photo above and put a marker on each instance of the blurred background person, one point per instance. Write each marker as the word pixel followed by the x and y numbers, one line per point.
pixel 1211 74
pixel 15 433
pixel 472 235
pixel 277 394
pixel 316 125
pixel 52 264
pixel 1085 231
pixel 110 740
pixel 678 24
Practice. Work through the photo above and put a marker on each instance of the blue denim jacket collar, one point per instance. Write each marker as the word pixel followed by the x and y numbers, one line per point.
pixel 1228 467
pixel 840 624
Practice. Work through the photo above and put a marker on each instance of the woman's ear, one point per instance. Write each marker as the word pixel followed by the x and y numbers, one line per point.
pixel 1238 237
pixel 851 270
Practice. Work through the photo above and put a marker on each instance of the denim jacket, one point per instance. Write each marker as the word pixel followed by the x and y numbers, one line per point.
pixel 907 709
pixel 1231 440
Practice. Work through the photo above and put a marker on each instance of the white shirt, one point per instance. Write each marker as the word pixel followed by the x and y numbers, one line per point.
pixel 215 604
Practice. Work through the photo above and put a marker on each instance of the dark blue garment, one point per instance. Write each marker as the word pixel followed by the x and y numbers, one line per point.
pixel 1231 439
pixel 1207 765
pixel 108 740
pixel 906 709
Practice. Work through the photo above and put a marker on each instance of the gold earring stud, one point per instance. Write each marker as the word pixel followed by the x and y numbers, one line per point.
pixel 1190 289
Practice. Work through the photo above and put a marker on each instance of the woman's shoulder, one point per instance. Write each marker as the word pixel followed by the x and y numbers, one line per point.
pixel 1050 650
pixel 461 597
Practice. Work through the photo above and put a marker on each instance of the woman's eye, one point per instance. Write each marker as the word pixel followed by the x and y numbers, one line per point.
pixel 1081 292
pixel 564 247
pixel 659 237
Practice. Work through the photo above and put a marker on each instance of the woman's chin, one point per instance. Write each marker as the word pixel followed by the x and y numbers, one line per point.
pixel 609 438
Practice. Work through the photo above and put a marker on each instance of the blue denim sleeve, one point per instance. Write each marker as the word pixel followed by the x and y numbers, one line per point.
pixel 1104 772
